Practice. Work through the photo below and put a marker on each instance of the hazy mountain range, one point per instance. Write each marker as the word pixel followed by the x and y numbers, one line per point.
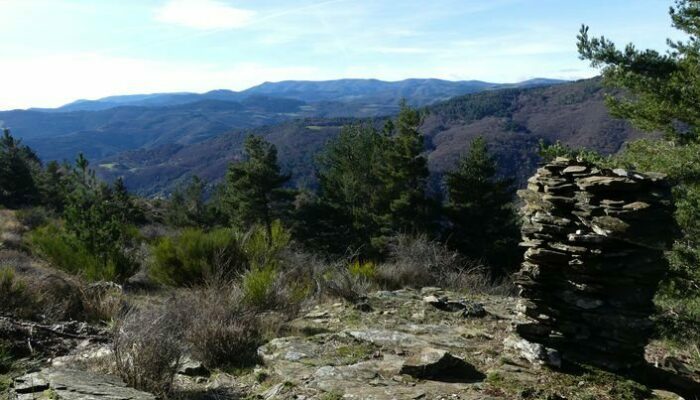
pixel 104 127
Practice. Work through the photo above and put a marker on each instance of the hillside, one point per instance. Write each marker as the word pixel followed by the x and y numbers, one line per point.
pixel 512 120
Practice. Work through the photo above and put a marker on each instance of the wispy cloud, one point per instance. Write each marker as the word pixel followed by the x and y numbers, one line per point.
pixel 204 14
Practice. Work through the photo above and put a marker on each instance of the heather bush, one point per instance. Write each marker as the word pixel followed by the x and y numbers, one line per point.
pixel 33 292
pixel 337 281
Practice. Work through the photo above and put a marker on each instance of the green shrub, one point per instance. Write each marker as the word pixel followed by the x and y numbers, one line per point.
pixel 65 252
pixel 194 256
pixel 33 217
pixel 258 286
pixel 366 269
pixel 264 252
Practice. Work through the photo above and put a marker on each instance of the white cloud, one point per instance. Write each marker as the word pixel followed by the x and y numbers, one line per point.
pixel 53 80
pixel 204 14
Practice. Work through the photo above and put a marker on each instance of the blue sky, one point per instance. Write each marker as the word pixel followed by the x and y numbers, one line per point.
pixel 56 51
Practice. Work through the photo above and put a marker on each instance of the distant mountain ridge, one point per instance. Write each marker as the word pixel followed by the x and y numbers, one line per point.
pixel 419 91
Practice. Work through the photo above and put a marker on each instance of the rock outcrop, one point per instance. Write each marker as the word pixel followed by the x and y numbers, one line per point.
pixel 595 240
pixel 54 383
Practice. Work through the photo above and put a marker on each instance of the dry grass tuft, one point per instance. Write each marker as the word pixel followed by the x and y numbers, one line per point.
pixel 223 331
pixel 148 347
pixel 416 261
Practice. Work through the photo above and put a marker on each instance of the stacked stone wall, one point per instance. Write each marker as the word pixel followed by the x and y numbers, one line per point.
pixel 595 242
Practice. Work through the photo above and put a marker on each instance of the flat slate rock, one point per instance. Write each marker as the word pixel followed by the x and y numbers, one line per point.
pixel 71 384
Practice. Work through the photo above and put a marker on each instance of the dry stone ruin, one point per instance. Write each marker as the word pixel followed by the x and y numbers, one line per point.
pixel 595 240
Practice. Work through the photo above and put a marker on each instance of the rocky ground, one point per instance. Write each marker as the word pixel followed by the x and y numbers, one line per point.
pixel 405 344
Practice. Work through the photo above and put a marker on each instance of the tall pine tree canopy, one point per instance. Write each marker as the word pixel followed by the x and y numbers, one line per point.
pixel 373 185
pixel 662 90
pixel 482 221
pixel 406 174
pixel 18 167
pixel 254 191
pixel 352 196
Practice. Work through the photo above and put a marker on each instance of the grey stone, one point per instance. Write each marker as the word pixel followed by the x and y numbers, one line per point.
pixel 77 385
pixel 192 367
pixel 438 364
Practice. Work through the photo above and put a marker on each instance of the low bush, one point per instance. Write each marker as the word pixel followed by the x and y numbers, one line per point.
pixel 102 301
pixel 367 269
pixel 192 256
pixel 64 251
pixel 7 360
pixel 34 217
pixel 148 347
pixel 259 287
pixel 14 294
pixel 36 293
pixel 263 251
pixel 224 332
pixel 416 261
pixel 337 281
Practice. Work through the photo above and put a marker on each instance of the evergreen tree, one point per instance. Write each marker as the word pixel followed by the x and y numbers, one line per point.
pixel 482 221
pixel 253 192
pixel 663 90
pixel 187 205
pixel 100 217
pixel 352 204
pixel 406 175
pixel 17 178
pixel 54 186
pixel 372 185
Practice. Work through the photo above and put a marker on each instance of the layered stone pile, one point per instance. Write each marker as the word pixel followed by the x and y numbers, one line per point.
pixel 595 240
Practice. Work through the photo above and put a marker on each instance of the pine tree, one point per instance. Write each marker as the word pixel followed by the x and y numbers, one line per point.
pixel 663 90
pixel 406 175
pixel 482 219
pixel 352 204
pixel 18 164
pixel 187 206
pixel 253 192
pixel 100 217
pixel 54 186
